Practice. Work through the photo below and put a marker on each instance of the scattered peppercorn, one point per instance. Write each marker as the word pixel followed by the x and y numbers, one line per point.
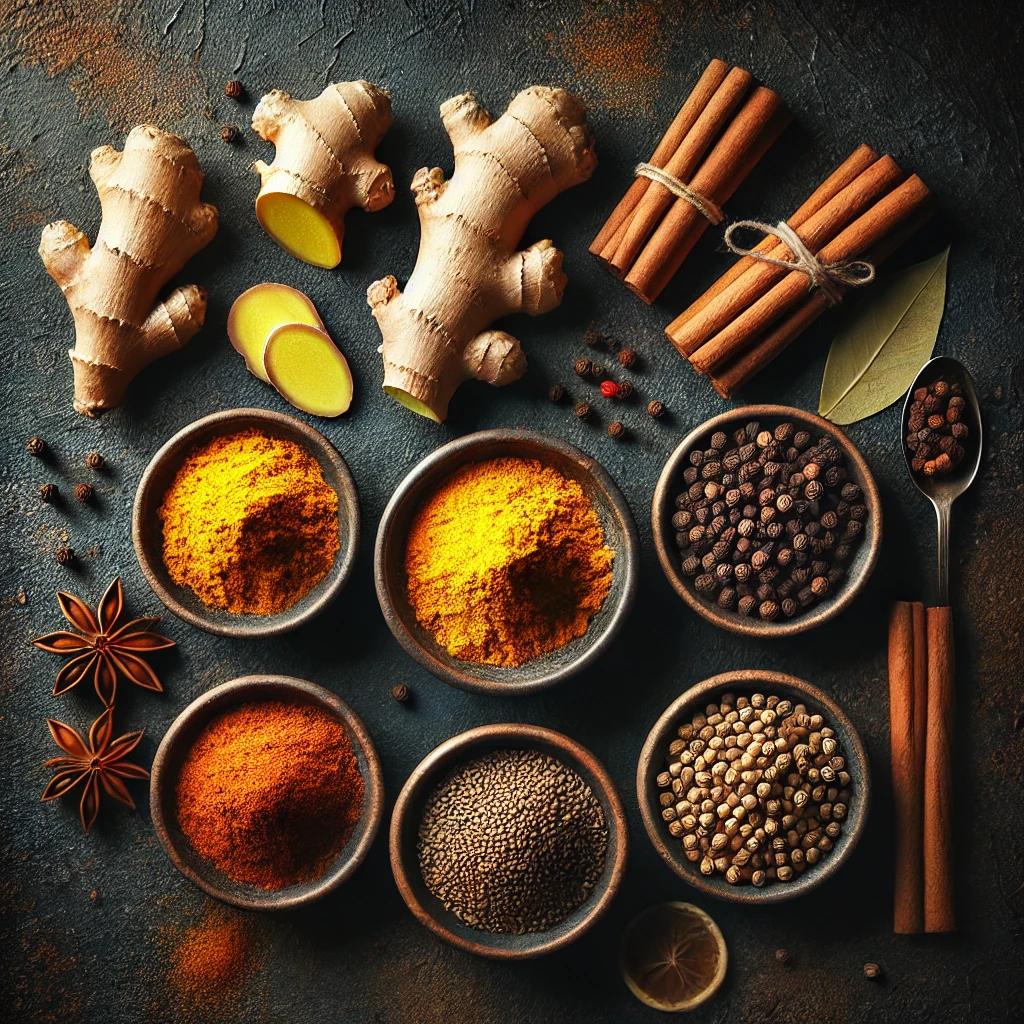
pixel 936 433
pixel 229 133
pixel 782 955
pixel 48 493
pixel 36 446
pixel 767 528
pixel 609 389
pixel 616 430
pixel 627 358
pixel 556 393
pixel 582 367
pixel 64 555
pixel 95 899
pixel 597 370
pixel 582 410
pixel 400 692
pixel 95 461
pixel 84 493
pixel 872 971
pixel 234 89
pixel 655 409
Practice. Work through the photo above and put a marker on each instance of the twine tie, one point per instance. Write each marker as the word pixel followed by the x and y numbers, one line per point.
pixel 826 276
pixel 678 188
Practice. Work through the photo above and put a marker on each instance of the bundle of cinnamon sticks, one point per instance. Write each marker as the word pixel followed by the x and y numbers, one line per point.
pixel 652 230
pixel 920 730
pixel 865 209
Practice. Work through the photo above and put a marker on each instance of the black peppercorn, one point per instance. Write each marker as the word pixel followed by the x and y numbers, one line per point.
pixel 556 393
pixel 625 390
pixel 597 370
pixel 582 410
pixel 95 461
pixel 400 692
pixel 64 555
pixel 782 956
pixel 655 409
pixel 234 89
pixel 616 429
pixel 84 493
pixel 48 492
pixel 872 971
pixel 229 133
pixel 627 358
pixel 582 367
pixel 36 446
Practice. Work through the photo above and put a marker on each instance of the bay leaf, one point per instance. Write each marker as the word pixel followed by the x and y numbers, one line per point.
pixel 878 351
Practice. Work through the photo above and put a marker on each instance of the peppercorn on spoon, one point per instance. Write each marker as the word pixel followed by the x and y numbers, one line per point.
pixel 942 491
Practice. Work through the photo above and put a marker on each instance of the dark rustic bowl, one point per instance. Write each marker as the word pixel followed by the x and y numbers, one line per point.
pixel 408 813
pixel 670 483
pixel 147 533
pixel 423 480
pixel 183 733
pixel 654 755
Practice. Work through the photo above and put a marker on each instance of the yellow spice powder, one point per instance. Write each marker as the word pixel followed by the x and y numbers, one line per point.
pixel 249 524
pixel 506 561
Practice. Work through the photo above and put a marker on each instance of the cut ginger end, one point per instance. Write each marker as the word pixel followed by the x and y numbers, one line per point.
pixel 299 229
pixel 308 370
pixel 258 311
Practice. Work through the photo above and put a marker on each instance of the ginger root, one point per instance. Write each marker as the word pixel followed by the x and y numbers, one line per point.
pixel 323 166
pixel 469 271
pixel 153 223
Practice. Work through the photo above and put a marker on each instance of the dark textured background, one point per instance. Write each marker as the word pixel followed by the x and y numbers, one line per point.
pixel 934 84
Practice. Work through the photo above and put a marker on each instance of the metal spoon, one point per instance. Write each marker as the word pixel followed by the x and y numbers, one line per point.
pixel 942 491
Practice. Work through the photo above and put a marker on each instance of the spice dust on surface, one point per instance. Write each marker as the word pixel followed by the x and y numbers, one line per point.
pixel 270 793
pixel 512 842
pixel 249 524
pixel 506 561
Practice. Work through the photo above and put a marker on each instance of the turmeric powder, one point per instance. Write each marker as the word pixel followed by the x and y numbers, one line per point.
pixel 249 524
pixel 506 561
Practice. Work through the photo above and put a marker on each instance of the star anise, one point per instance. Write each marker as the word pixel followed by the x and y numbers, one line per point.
pixel 103 648
pixel 99 763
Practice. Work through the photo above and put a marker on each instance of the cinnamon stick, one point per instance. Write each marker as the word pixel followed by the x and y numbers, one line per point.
pixel 661 257
pixel 907 717
pixel 868 229
pixel 859 160
pixel 872 183
pixel 938 776
pixel 728 379
pixel 707 84
pixel 681 165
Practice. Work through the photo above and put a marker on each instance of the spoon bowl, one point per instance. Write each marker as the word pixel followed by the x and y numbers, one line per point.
pixel 943 490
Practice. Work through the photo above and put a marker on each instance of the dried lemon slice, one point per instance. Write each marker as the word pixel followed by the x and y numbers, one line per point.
pixel 673 957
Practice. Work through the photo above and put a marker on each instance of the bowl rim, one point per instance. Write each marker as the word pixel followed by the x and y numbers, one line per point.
pixel 517 736
pixel 627 556
pixel 657 738
pixel 251 627
pixel 222 698
pixel 731 621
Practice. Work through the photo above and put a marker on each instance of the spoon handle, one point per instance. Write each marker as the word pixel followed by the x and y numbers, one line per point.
pixel 938 784
pixel 943 512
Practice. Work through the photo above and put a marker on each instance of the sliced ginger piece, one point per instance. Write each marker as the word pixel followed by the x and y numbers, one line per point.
pixel 299 229
pixel 258 311
pixel 308 370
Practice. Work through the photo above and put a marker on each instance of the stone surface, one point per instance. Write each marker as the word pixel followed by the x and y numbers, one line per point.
pixel 935 85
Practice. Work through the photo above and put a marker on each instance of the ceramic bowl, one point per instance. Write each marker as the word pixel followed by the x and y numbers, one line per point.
pixel 424 479
pixel 671 483
pixel 147 533
pixel 408 813
pixel 178 741
pixel 653 760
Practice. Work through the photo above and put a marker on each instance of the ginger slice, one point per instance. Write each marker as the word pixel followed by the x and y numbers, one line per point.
pixel 323 166
pixel 308 370
pixel 258 311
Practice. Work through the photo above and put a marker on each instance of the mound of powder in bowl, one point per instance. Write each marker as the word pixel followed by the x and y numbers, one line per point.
pixel 506 561
pixel 249 524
